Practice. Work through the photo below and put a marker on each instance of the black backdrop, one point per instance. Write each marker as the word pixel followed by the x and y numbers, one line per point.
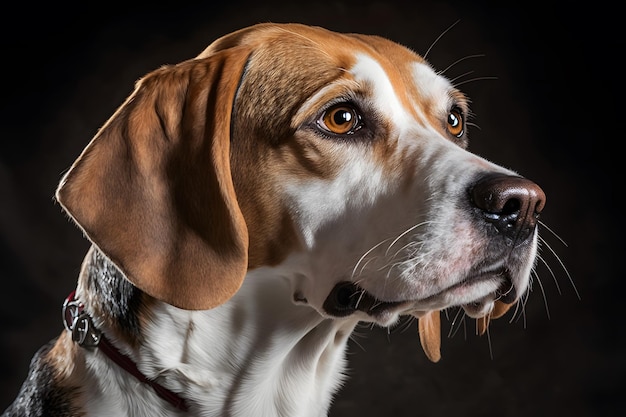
pixel 554 113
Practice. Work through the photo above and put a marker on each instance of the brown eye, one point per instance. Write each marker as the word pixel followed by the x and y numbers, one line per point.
pixel 341 119
pixel 455 123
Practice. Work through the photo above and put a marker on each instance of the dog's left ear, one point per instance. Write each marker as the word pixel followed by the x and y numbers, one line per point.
pixel 153 189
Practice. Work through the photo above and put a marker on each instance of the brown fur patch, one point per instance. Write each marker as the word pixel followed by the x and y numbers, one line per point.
pixel 68 361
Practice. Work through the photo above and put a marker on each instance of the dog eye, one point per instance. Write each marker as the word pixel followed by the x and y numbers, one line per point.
pixel 455 123
pixel 341 119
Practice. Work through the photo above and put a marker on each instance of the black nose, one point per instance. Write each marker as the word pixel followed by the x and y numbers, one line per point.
pixel 511 203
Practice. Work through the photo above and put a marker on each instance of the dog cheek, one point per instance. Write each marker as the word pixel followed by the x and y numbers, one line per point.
pixel 447 252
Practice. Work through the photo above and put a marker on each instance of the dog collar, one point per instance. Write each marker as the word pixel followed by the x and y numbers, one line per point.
pixel 80 325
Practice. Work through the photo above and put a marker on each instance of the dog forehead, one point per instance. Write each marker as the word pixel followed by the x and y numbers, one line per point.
pixel 294 52
pixel 290 63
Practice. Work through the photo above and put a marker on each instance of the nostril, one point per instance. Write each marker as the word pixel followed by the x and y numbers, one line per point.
pixel 511 206
pixel 511 203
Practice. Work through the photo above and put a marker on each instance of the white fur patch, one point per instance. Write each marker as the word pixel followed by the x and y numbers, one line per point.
pixel 368 71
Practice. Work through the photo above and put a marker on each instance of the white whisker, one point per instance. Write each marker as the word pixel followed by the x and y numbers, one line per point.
pixel 361 293
pixel 459 60
pixel 405 247
pixel 516 311
pixel 403 327
pixel 569 277
pixel 362 268
pixel 402 235
pixel 439 37
pixel 543 293
pixel 475 79
pixel 520 308
pixel 553 232
pixel 456 324
pixel 556 282
pixel 453 80
pixel 489 342
pixel 353 339
pixel 364 255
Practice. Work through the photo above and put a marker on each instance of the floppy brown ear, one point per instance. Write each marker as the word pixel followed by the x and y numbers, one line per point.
pixel 153 189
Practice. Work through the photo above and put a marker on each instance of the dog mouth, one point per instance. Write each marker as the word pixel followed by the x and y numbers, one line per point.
pixel 500 282
pixel 347 298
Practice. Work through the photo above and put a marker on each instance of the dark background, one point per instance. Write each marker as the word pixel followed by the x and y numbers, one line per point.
pixel 554 113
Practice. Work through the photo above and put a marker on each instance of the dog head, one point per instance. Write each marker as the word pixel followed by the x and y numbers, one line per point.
pixel 337 159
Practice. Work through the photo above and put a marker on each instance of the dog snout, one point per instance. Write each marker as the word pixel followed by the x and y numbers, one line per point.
pixel 510 203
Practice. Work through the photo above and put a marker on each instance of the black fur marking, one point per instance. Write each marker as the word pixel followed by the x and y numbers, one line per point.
pixel 119 299
pixel 40 395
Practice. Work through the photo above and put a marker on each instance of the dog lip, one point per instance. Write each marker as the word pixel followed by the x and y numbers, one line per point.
pixel 505 292
pixel 346 298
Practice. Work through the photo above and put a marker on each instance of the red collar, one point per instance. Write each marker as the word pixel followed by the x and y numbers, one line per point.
pixel 80 325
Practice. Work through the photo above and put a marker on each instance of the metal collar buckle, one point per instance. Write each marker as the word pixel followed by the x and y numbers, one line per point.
pixel 79 323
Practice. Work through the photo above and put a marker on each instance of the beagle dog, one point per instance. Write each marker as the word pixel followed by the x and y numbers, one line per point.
pixel 247 208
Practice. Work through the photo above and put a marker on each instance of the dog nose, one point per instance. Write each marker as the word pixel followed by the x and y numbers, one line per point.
pixel 511 203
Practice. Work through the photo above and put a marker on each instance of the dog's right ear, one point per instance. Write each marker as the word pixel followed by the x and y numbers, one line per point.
pixel 153 189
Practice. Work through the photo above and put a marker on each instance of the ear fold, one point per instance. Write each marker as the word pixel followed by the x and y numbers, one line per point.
pixel 153 189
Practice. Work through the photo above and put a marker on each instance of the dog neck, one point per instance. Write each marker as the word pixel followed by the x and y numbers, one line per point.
pixel 258 351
